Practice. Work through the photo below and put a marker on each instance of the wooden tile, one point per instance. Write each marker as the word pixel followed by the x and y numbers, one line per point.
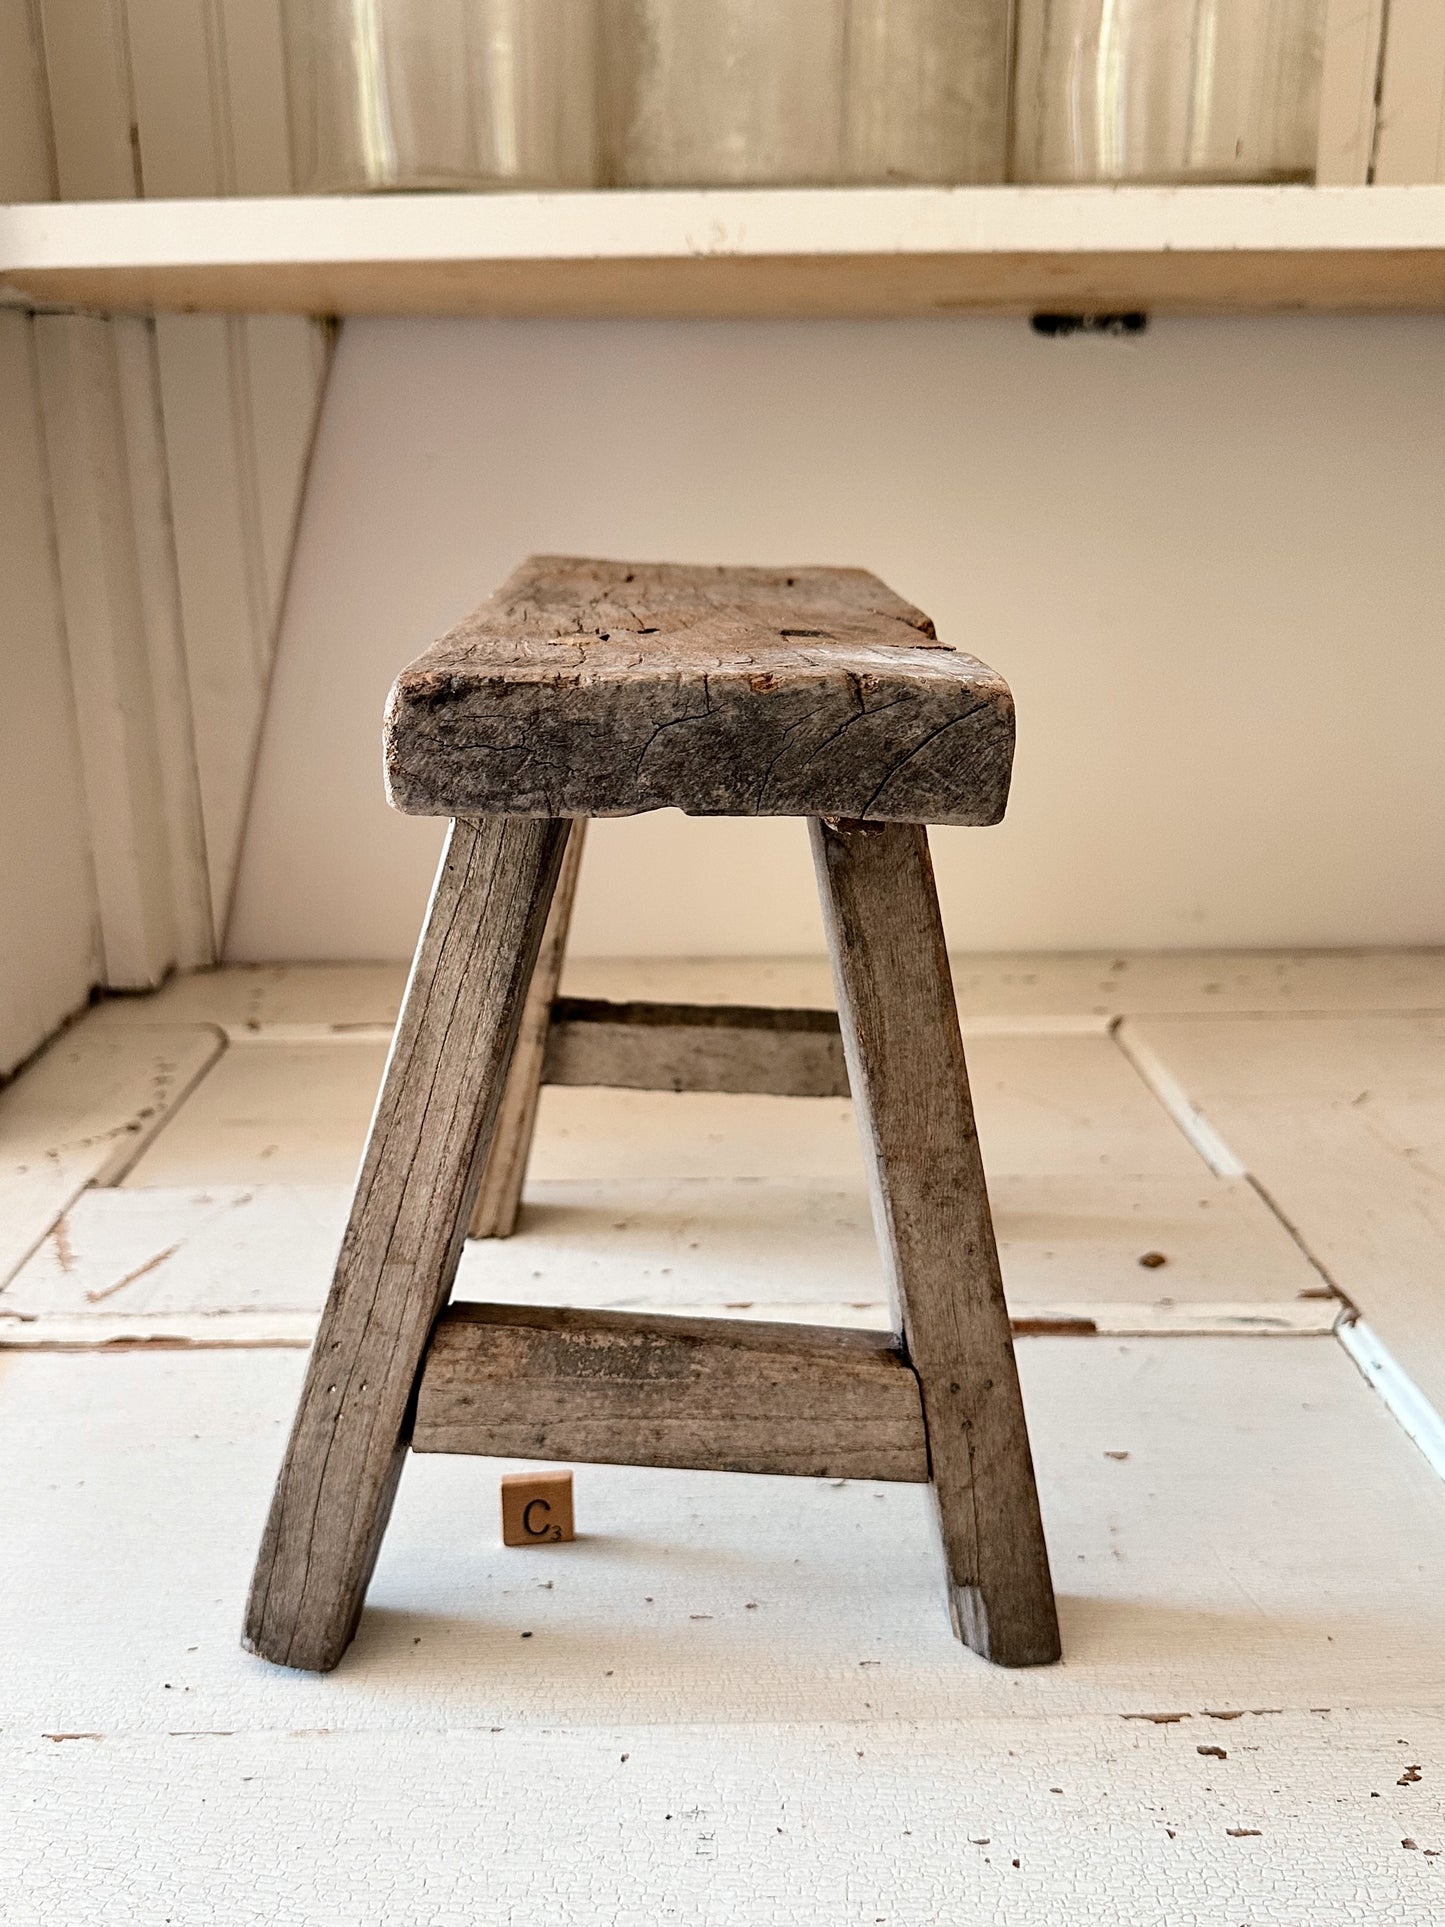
pixel 537 1508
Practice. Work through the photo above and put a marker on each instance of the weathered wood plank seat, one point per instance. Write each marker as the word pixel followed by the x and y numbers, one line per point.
pixel 595 688
pixel 606 688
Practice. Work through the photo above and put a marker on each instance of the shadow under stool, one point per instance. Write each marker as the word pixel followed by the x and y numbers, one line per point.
pixel 587 688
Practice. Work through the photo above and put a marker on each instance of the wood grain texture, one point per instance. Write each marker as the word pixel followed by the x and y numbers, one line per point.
pixel 709 1394
pixel 429 1138
pixel 585 688
pixel 930 1206
pixel 696 1047
pixel 499 1199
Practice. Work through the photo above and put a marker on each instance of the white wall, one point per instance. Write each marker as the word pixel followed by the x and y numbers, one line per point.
pixel 1211 561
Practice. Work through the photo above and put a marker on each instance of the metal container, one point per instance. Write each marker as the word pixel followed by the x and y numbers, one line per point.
pixel 1167 90
pixel 806 92
pixel 441 93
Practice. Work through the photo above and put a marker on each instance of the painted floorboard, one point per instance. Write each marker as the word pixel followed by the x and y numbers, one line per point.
pixel 250 1264
pixel 1036 1824
pixel 80 1113
pixel 296 1112
pixel 1103 983
pixel 1270 1539
pixel 1342 1122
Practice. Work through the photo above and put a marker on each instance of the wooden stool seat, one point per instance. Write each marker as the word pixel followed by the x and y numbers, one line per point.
pixel 608 688
pixel 597 689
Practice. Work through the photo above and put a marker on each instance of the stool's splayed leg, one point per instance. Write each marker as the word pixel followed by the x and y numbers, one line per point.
pixel 910 1084
pixel 429 1139
pixel 499 1199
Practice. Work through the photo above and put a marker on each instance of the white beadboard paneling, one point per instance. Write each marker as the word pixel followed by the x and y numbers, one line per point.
pixel 239 401
pixel 193 935
pixel 1185 551
pixel 27 156
pixel 1410 145
pixel 285 365
pixel 87 58
pixel 182 102
pixel 255 59
pixel 109 658
pixel 239 398
pixel 49 954
pixel 116 543
pixel 146 101
pixel 219 562
pixel 210 91
pixel 1353 46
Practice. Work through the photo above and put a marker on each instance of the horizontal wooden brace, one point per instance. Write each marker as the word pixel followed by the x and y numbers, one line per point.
pixel 696 1047
pixel 714 1394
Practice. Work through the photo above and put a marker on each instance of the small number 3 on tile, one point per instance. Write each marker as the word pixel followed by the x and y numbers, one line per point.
pixel 536 1508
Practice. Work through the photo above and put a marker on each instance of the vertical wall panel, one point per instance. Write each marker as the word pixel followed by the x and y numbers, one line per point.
pixel 88 461
pixel 49 954
pixel 239 397
pixel 256 83
pixel 134 341
pixel 87 63
pixel 205 408
pixel 1410 146
pixel 27 159
pixel 1354 32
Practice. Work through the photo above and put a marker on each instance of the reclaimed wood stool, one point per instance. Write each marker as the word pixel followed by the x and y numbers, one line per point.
pixel 604 689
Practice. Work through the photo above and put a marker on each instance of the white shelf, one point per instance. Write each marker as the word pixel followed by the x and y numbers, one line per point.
pixel 826 251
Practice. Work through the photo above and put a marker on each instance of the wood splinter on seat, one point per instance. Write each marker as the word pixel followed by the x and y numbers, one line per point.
pixel 584 689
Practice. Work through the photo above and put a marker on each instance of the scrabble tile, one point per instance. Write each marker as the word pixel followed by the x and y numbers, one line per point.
pixel 536 1508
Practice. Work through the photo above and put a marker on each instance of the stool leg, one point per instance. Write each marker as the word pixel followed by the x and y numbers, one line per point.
pixel 500 1197
pixel 930 1205
pixel 429 1137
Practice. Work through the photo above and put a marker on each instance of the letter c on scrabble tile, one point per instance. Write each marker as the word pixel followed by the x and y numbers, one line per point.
pixel 536 1508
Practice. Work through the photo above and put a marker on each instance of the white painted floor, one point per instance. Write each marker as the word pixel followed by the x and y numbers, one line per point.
pixel 736 1700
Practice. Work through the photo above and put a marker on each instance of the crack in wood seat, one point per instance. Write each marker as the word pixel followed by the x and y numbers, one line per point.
pixel 590 688
pixel 586 688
